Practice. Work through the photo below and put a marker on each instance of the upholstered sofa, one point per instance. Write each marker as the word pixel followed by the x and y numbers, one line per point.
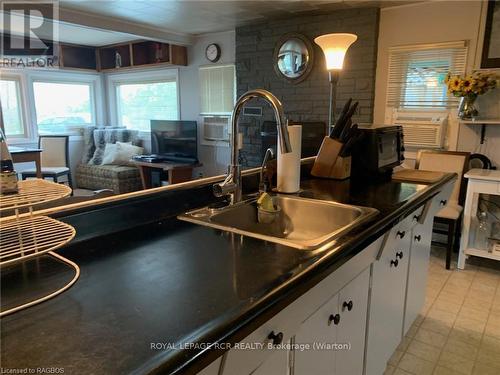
pixel 90 174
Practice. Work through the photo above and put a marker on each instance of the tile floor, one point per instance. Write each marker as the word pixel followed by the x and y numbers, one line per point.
pixel 458 331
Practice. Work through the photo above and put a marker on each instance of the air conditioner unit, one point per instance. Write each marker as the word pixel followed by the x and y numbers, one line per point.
pixel 422 129
pixel 216 128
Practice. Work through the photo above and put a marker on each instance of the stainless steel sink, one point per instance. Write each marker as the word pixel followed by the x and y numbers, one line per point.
pixel 303 223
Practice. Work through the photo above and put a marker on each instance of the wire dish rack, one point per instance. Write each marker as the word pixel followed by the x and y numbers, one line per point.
pixel 33 192
pixel 32 236
pixel 27 236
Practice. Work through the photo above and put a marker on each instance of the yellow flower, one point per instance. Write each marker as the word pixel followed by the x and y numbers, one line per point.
pixel 468 84
pixel 455 83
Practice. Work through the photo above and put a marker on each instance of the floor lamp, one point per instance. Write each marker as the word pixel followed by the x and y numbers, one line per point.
pixel 334 47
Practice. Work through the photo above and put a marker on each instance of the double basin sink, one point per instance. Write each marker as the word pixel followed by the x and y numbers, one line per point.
pixel 302 223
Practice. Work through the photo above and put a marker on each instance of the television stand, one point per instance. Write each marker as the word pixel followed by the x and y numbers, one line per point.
pixel 177 172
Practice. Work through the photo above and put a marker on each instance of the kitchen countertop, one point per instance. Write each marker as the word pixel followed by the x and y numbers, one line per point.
pixel 176 282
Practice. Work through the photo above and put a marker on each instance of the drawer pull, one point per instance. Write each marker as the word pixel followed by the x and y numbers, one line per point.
pixel 418 237
pixel 334 318
pixel 443 202
pixel 399 255
pixel 394 263
pixel 401 234
pixel 277 338
pixel 347 305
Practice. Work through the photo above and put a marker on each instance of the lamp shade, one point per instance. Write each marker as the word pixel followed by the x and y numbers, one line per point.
pixel 334 47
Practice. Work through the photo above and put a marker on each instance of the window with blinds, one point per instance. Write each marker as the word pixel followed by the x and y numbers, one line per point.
pixel 416 75
pixel 217 89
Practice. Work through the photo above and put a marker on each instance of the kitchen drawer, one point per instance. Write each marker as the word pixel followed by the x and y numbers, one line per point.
pixel 442 198
pixel 399 234
pixel 285 324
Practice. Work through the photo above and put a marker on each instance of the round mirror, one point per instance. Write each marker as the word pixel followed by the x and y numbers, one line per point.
pixel 293 57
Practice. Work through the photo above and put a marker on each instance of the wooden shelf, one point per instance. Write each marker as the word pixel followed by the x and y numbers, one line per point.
pixel 78 57
pixel 495 255
pixel 142 54
pixel 107 57
pixel 482 123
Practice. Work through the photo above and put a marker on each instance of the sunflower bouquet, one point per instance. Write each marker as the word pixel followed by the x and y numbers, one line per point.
pixel 472 85
pixel 468 89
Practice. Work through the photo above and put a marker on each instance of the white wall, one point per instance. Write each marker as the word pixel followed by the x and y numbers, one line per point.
pixel 215 159
pixel 433 22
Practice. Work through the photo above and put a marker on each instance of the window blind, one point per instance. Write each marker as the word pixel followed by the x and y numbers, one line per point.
pixel 217 89
pixel 416 75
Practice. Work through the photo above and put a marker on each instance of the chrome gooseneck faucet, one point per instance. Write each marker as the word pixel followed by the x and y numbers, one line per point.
pixel 232 183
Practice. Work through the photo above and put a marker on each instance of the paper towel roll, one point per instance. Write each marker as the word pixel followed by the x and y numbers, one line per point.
pixel 289 164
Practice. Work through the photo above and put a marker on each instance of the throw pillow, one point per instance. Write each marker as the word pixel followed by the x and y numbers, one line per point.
pixel 109 154
pixel 123 153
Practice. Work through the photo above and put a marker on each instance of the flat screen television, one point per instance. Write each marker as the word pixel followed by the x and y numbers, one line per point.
pixel 175 140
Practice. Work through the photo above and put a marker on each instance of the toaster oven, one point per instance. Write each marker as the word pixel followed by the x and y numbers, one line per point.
pixel 378 151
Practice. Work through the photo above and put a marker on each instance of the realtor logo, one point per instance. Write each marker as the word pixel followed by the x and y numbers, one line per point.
pixel 29 33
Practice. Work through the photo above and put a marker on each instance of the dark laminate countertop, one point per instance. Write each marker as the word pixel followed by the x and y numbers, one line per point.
pixel 175 282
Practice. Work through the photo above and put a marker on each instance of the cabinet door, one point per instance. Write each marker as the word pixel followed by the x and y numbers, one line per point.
pixel 387 303
pixel 353 306
pixel 417 271
pixel 320 328
pixel 276 364
pixel 212 369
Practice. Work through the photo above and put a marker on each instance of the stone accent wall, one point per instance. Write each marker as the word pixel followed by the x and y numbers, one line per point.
pixel 308 100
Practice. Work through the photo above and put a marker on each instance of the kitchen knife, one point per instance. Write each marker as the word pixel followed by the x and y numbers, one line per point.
pixel 345 132
pixel 347 117
pixel 335 132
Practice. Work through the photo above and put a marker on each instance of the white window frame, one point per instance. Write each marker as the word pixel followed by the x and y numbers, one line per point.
pixel 25 119
pixel 91 79
pixel 113 80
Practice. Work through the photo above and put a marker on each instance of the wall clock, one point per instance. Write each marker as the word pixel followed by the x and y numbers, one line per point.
pixel 213 52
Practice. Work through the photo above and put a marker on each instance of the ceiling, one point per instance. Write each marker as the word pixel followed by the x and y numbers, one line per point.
pixel 71 32
pixel 192 17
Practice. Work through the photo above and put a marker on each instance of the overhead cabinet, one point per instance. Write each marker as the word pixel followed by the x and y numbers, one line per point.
pixel 120 56
pixel 141 54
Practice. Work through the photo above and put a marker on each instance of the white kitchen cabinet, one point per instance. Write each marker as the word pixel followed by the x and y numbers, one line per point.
pixel 321 327
pixel 417 270
pixel 212 369
pixel 387 299
pixel 339 321
pixel 290 320
pixel 353 305
pixel 276 364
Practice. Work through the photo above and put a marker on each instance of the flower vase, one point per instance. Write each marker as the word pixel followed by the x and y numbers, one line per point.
pixel 466 109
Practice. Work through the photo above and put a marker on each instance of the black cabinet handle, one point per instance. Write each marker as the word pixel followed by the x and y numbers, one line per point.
pixel 399 255
pixel 394 263
pixel 277 338
pixel 334 318
pixel 443 202
pixel 401 234
pixel 347 305
pixel 418 237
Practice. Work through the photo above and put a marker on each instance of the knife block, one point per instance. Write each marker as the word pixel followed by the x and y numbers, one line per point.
pixel 328 164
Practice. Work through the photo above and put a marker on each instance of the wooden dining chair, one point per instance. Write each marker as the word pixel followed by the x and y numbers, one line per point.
pixel 54 158
pixel 451 213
